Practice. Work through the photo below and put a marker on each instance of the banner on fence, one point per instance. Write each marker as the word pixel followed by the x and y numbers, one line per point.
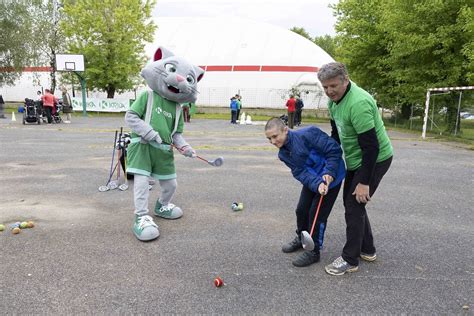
pixel 102 105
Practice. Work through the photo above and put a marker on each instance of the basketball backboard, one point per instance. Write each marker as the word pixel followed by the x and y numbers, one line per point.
pixel 69 62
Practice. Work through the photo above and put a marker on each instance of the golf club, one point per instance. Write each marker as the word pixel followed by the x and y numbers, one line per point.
pixel 105 187
pixel 307 239
pixel 219 161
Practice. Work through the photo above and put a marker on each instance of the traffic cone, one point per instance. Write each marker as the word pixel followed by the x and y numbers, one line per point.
pixel 248 120
pixel 13 116
pixel 242 118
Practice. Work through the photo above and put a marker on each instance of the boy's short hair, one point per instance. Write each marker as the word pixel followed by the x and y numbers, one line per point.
pixel 274 122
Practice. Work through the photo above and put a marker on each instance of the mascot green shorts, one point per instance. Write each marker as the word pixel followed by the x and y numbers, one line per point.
pixel 153 160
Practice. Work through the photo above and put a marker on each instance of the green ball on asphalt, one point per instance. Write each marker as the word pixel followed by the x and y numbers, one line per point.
pixel 2 227
pixel 23 225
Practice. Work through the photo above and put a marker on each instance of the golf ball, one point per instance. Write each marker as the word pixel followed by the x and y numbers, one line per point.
pixel 2 227
pixel 218 282
pixel 16 230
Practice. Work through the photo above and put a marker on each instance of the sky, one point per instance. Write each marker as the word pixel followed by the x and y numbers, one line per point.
pixel 313 15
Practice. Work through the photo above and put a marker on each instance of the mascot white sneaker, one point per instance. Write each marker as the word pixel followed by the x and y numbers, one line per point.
pixel 156 122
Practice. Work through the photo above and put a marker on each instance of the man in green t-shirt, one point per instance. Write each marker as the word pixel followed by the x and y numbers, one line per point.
pixel 358 127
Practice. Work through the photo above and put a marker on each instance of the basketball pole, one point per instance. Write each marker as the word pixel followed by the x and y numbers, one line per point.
pixel 83 88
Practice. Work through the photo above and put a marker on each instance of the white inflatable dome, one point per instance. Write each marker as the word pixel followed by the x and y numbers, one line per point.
pixel 259 61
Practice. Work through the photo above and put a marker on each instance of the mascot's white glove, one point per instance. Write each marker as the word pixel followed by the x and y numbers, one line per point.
pixel 187 151
pixel 158 139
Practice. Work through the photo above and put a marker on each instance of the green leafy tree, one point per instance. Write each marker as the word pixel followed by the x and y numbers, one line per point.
pixel 398 49
pixel 111 34
pixel 428 48
pixel 364 46
pixel 301 31
pixel 328 43
pixel 46 18
pixel 15 48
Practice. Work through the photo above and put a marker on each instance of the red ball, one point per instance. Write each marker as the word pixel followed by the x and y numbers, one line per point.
pixel 218 282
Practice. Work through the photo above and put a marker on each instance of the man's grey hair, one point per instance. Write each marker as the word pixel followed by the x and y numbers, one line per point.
pixel 332 70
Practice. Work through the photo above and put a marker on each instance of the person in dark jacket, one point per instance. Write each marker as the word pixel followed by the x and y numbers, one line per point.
pixel 315 160
pixel 299 110
pixel 2 107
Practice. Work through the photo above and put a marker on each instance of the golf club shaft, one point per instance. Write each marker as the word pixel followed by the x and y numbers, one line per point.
pixel 202 159
pixel 112 162
pixel 316 215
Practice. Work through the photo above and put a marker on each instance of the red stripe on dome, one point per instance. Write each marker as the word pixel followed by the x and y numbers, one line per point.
pixel 290 68
pixel 246 68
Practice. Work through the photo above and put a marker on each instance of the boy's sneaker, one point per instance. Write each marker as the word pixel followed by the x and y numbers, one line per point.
pixel 340 267
pixel 368 257
pixel 144 228
pixel 292 246
pixel 169 211
pixel 306 258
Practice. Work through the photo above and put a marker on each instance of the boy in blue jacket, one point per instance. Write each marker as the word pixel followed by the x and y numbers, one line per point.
pixel 315 160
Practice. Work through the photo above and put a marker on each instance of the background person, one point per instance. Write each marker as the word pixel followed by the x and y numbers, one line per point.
pixel 291 105
pixel 298 110
pixel 357 125
pixel 48 104
pixel 67 105
pixel 2 107
pixel 239 101
pixel 186 109
pixel 234 106
pixel 315 160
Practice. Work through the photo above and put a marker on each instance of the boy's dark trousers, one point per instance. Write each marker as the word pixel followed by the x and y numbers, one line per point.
pixel 306 210
pixel 358 231
pixel 233 116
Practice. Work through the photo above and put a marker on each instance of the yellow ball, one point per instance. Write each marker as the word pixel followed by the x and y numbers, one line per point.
pixel 2 227
pixel 16 230
pixel 23 225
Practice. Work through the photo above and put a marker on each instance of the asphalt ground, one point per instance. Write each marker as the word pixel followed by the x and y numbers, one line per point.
pixel 82 258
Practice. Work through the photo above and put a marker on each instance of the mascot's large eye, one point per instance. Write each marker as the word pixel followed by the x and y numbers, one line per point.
pixel 170 68
pixel 190 79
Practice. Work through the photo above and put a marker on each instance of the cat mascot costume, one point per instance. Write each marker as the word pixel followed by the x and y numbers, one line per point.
pixel 157 125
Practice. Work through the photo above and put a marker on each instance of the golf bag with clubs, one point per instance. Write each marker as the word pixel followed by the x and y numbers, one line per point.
pixel 118 164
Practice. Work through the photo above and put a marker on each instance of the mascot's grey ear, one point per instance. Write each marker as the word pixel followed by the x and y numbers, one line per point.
pixel 199 72
pixel 162 53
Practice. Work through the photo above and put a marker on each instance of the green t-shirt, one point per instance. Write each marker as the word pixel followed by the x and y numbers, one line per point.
pixel 355 114
pixel 163 115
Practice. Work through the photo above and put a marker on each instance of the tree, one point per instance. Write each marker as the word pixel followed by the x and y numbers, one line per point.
pixel 364 47
pixel 46 17
pixel 327 43
pixel 15 48
pixel 301 31
pixel 111 34
pixel 398 49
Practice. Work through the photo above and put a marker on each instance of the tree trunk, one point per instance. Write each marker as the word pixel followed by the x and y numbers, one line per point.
pixel 52 63
pixel 110 93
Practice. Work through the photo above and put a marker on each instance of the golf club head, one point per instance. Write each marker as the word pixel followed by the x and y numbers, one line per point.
pixel 123 187
pixel 103 188
pixel 112 185
pixel 217 163
pixel 307 241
